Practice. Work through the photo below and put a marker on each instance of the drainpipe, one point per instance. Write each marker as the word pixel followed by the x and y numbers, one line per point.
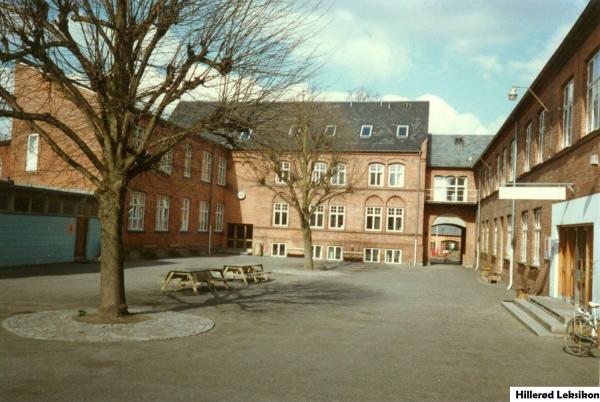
pixel 478 227
pixel 210 199
pixel 417 220
pixel 514 209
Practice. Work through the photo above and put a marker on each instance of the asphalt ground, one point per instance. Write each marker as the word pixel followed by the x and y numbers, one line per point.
pixel 372 333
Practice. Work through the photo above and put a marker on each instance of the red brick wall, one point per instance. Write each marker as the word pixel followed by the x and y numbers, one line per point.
pixel 5 159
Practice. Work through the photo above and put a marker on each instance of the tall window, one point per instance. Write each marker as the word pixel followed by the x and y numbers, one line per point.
pixel 395 218
pixel 280 214
pixel 338 177
pixel 185 215
pixel 593 102
pixel 498 171
pixel 524 236
pixel 396 175
pixel 513 156
pixel 166 162
pixel 222 172
pixel 336 216
pixel 376 174
pixel 220 209
pixel 568 114
pixel 317 252
pixel 203 216
pixel 508 236
pixel 317 219
pixel 319 172
pixel 31 163
pixel 283 175
pixel 137 203
pixel 371 255
pixel 541 129
pixel 495 244
pixel 526 161
pixel 334 253
pixel 373 218
pixel 537 232
pixel 138 137
pixel 162 213
pixel 504 165
pixel 187 161
pixel 206 166
pixel 393 256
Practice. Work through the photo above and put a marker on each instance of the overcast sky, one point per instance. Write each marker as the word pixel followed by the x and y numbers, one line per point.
pixel 461 55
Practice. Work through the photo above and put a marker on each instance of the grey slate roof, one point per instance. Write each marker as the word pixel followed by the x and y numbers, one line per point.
pixel 455 150
pixel 383 116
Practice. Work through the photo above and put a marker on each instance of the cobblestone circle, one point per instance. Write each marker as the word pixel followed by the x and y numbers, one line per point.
pixel 59 325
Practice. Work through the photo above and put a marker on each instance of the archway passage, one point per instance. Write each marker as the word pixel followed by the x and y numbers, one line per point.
pixel 447 240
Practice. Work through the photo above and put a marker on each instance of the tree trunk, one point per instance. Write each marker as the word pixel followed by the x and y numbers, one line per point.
pixel 307 235
pixel 112 284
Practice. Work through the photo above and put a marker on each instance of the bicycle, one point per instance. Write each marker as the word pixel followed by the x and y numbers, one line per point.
pixel 582 332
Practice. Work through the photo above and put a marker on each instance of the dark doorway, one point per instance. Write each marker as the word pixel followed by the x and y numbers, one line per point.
pixel 81 239
pixel 239 236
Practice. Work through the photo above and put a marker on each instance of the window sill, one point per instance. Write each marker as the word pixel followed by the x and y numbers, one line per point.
pixel 135 230
pixel 161 231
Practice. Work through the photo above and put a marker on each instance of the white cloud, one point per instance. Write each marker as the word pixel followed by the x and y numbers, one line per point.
pixel 445 119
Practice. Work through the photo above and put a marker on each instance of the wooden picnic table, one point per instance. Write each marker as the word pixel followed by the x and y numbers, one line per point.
pixel 196 278
pixel 255 272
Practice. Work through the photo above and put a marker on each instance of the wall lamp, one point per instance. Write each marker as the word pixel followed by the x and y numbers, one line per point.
pixel 513 93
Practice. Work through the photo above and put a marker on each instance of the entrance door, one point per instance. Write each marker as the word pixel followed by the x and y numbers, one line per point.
pixel 239 236
pixel 575 264
pixel 81 238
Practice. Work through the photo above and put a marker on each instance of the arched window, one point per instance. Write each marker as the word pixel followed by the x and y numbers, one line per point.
pixel 376 174
pixel 319 171
pixel 283 175
pixel 338 177
pixel 396 175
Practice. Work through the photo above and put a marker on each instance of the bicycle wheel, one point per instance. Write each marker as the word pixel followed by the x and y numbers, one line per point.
pixel 579 339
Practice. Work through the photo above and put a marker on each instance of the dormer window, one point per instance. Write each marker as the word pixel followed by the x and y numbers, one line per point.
pixel 365 131
pixel 330 130
pixel 402 131
pixel 294 130
pixel 245 134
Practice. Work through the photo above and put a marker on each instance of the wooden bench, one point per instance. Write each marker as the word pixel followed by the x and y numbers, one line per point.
pixel 196 279
pixel 255 272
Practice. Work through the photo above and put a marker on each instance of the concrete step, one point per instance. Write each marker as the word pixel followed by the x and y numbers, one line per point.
pixel 541 315
pixel 526 319
pixel 562 310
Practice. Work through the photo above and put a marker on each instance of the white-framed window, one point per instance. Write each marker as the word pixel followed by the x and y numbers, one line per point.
pixel 337 216
pixel 317 219
pixel 185 215
pixel 206 166
pixel 498 171
pixel 245 134
pixel 278 250
pixel 402 131
pixel 283 175
pixel 280 214
pixel 222 172
pixel 187 161
pixel 371 255
pixel 220 210
pixel 524 235
pixel 373 218
pixel 508 236
pixel 376 174
pixel 162 213
pixel 319 172
pixel 513 155
pixel 137 205
pixel 203 216
pixel 335 253
pixel 396 175
pixel 537 236
pixel 495 244
pixel 393 256
pixel 450 188
pixel 33 144
pixel 330 130
pixel 365 131
pixel 137 137
pixel 504 165
pixel 541 129
pixel 527 157
pixel 568 114
pixel 166 162
pixel 593 100
pixel 317 252
pixel 395 219
pixel 338 177
pixel 294 130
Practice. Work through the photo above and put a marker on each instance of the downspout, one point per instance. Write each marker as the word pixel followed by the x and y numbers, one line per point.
pixel 478 227
pixel 417 220
pixel 514 209
pixel 210 199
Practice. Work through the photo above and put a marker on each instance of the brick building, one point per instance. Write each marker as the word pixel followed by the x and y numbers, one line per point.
pixel 552 137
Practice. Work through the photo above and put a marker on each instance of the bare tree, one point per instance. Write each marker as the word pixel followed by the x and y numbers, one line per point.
pixel 295 155
pixel 125 63
pixel 362 94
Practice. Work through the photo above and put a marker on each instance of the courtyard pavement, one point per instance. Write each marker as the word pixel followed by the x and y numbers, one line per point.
pixel 355 332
